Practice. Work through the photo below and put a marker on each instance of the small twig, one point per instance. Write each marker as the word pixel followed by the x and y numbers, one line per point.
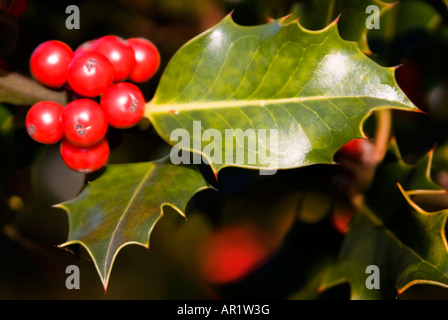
pixel 382 134
pixel 20 90
pixel 13 234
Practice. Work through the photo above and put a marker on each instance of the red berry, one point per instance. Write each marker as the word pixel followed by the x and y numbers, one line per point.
pixel 353 149
pixel 83 122
pixel 49 63
pixel 86 46
pixel 43 122
pixel 123 104
pixel 85 159
pixel 232 253
pixel 147 59
pixel 90 73
pixel 119 53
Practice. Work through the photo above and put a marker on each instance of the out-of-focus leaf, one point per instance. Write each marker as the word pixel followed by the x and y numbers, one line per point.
pixel 392 232
pixel 404 27
pixel 316 14
pixel 6 118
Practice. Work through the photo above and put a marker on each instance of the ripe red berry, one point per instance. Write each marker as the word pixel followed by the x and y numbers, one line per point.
pixel 147 59
pixel 43 122
pixel 90 73
pixel 232 253
pixel 119 53
pixel 85 46
pixel 49 63
pixel 83 122
pixel 352 150
pixel 123 104
pixel 85 159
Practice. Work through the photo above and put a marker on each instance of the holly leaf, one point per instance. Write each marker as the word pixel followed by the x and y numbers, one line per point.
pixel 390 231
pixel 122 206
pixel 296 95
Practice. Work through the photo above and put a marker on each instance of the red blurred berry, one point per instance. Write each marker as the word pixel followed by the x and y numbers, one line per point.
pixel 90 73
pixel 123 104
pixel 43 122
pixel 340 218
pixel 352 150
pixel 232 253
pixel 83 122
pixel 85 159
pixel 49 63
pixel 147 59
pixel 119 53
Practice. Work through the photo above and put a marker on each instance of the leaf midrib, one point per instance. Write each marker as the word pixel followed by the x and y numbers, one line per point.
pixel 164 108
pixel 125 211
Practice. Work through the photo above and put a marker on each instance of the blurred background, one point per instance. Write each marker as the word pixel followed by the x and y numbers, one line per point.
pixel 258 236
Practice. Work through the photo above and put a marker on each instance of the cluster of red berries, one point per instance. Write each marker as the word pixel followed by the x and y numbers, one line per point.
pixel 96 73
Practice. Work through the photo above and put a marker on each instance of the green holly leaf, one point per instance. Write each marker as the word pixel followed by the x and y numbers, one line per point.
pixel 122 206
pixel 392 232
pixel 295 96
